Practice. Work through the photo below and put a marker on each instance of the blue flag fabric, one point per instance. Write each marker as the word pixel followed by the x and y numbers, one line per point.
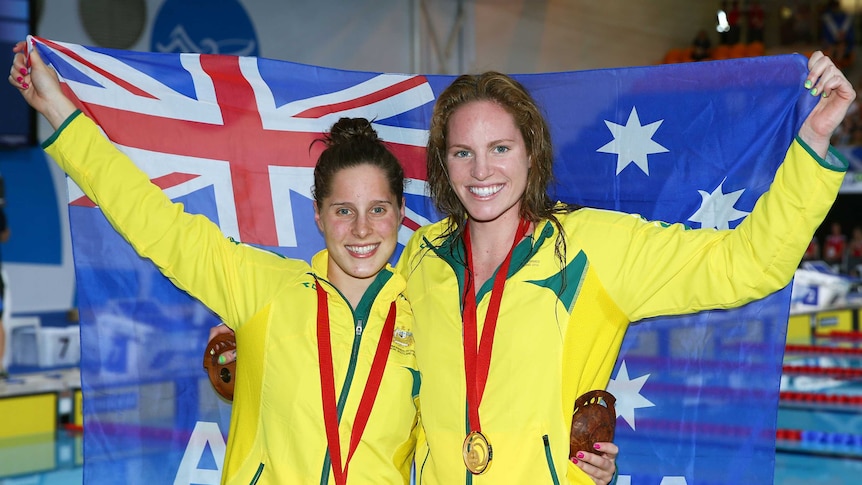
pixel 693 143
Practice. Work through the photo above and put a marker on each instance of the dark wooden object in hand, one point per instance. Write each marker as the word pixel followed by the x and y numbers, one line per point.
pixel 593 420
pixel 222 376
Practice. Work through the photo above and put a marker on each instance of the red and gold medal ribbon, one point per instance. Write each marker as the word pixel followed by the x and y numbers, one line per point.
pixel 327 385
pixel 477 362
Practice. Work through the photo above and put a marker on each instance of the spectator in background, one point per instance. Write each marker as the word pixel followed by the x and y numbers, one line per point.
pixel 836 244
pixel 836 34
pixel 854 252
pixel 733 16
pixel 700 46
pixel 4 236
pixel 802 23
pixel 756 21
pixel 812 253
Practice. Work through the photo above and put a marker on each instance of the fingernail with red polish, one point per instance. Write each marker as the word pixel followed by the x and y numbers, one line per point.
pixel 25 85
pixel 20 79
pixel 597 446
pixel 23 71
pixel 580 455
pixel 574 460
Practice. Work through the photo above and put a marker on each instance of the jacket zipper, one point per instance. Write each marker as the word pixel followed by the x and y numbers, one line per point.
pixel 257 474
pixel 550 460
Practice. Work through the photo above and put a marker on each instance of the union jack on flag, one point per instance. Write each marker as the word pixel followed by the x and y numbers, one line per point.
pixel 231 138
pixel 229 123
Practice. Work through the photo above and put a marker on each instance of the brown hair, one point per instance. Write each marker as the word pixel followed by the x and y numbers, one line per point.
pixel 499 88
pixel 351 142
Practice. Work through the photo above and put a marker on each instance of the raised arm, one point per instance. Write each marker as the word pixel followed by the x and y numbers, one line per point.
pixel 688 271
pixel 234 280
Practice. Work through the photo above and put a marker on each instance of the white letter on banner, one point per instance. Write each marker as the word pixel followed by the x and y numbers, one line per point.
pixel 627 480
pixel 204 433
pixel 673 481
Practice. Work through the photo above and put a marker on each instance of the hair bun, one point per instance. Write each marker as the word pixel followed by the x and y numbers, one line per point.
pixel 351 130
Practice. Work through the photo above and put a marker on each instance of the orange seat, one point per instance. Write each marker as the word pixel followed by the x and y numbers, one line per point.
pixel 755 49
pixel 669 56
pixel 721 51
pixel 674 56
pixel 737 51
pixel 685 55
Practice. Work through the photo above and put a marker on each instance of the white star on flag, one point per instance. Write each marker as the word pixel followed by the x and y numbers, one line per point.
pixel 627 392
pixel 717 209
pixel 632 142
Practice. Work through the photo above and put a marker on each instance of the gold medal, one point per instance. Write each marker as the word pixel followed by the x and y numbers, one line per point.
pixel 477 355
pixel 477 453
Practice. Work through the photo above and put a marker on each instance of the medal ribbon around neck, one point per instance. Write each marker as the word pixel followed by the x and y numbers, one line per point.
pixel 327 384
pixel 477 362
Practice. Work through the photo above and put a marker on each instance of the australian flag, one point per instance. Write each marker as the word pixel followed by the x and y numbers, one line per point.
pixel 231 138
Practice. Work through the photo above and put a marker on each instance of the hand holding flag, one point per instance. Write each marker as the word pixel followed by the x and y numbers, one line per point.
pixel 824 78
pixel 39 85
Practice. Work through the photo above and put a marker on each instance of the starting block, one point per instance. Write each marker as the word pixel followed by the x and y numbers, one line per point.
pixel 38 346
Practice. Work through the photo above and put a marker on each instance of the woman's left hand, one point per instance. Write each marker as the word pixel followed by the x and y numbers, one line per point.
pixel 600 464
pixel 836 95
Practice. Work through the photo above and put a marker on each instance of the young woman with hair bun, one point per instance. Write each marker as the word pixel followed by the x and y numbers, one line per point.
pixel 327 376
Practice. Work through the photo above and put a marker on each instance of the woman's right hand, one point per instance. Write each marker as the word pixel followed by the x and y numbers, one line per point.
pixel 228 356
pixel 39 85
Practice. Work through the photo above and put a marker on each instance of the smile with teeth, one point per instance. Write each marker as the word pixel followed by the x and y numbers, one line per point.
pixel 362 250
pixel 486 191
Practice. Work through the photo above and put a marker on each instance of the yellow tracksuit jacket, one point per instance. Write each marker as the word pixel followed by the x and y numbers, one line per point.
pixel 561 324
pixel 277 433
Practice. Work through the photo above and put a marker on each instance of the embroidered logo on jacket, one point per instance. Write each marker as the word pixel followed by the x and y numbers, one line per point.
pixel 566 283
pixel 402 341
